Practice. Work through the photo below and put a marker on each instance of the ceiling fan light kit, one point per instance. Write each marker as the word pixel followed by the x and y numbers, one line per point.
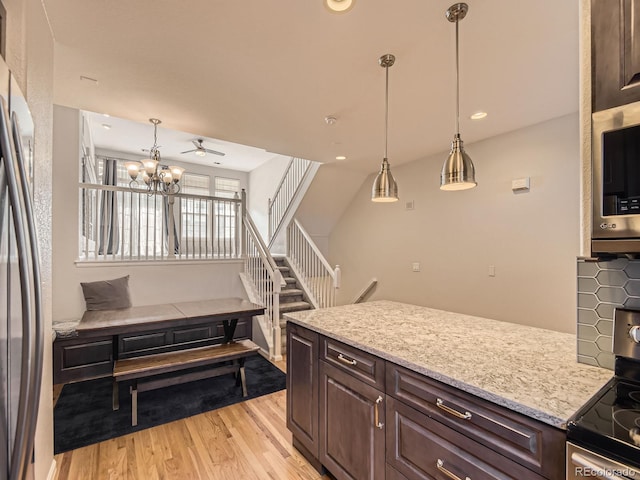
pixel 200 150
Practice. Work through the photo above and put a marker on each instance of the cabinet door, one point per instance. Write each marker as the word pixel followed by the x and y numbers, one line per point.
pixel 302 386
pixel 81 359
pixel 615 52
pixel 352 431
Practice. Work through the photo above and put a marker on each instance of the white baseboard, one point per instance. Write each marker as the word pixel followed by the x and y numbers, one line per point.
pixel 52 470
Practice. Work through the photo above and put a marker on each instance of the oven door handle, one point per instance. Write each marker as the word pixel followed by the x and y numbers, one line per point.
pixel 596 470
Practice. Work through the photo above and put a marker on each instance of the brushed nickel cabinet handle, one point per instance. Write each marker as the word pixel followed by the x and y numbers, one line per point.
pixel 448 473
pixel 346 360
pixel 440 404
pixel 376 414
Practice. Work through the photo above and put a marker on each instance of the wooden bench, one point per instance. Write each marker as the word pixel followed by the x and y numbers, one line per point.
pixel 142 369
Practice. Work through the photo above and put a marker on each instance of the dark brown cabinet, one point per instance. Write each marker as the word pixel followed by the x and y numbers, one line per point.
pixel 615 52
pixel 302 388
pixel 352 426
pixel 364 418
pixel 77 359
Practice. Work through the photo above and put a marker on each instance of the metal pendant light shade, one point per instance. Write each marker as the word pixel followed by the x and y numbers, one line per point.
pixel 458 172
pixel 385 188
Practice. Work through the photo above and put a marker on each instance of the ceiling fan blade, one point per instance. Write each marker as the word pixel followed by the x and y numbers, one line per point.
pixel 189 151
pixel 214 152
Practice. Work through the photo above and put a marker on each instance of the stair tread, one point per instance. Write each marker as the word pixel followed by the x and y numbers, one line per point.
pixel 291 292
pixel 294 307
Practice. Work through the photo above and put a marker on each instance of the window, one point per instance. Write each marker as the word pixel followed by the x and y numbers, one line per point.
pixel 226 187
pixel 194 213
pixel 226 211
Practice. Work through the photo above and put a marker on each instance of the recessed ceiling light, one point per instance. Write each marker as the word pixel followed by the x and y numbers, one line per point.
pixel 106 126
pixel 339 6
pixel 478 116
pixel 341 157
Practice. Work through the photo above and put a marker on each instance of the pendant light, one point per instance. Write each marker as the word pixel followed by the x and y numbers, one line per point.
pixel 385 188
pixel 458 172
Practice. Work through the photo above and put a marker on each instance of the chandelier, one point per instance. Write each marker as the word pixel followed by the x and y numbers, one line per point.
pixel 158 178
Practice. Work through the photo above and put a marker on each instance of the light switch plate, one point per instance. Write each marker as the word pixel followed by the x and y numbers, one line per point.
pixel 520 184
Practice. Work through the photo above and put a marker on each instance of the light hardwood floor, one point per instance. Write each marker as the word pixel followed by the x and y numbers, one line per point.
pixel 245 441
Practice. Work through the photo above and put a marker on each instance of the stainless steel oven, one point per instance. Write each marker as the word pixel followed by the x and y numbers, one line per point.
pixel 582 463
pixel 604 435
pixel 616 180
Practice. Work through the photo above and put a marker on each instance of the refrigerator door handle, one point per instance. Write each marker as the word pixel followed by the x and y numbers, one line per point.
pixel 38 351
pixel 21 453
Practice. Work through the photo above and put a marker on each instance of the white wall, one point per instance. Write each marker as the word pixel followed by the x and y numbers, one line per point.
pixel 531 238
pixel 263 182
pixel 149 283
pixel 29 54
pixel 333 188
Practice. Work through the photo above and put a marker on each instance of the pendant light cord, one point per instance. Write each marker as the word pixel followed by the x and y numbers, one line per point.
pixel 386 110
pixel 457 82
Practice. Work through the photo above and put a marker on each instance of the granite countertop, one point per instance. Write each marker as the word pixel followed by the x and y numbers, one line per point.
pixel 528 370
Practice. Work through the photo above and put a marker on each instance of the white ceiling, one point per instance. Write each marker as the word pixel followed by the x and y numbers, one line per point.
pixel 137 138
pixel 266 73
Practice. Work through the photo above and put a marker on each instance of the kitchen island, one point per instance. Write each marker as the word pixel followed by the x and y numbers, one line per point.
pixel 458 393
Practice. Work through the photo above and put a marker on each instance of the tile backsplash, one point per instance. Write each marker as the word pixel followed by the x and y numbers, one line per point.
pixel 602 286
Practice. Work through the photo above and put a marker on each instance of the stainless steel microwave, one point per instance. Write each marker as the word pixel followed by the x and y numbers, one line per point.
pixel 616 180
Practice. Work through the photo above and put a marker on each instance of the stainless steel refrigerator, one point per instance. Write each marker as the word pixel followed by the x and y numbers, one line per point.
pixel 21 335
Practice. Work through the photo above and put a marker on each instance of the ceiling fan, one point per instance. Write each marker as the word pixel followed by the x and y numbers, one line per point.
pixel 200 150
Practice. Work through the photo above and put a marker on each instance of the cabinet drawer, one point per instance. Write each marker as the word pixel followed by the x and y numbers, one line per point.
pixel 420 448
pixel 537 446
pixel 362 365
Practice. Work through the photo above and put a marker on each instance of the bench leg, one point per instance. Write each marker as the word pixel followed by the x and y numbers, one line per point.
pixel 244 381
pixel 115 396
pixel 134 404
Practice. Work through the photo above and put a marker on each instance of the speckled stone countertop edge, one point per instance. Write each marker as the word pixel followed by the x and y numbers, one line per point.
pixel 530 412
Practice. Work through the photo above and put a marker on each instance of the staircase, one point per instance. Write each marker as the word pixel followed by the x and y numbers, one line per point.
pixel 292 298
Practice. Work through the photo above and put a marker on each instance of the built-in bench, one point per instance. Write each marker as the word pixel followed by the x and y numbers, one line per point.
pixel 164 369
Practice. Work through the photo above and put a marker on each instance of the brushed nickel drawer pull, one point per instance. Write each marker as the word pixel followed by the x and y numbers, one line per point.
pixel 376 415
pixel 344 359
pixel 451 475
pixel 440 404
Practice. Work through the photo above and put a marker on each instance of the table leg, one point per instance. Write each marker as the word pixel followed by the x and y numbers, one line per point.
pixel 134 404
pixel 115 396
pixel 229 329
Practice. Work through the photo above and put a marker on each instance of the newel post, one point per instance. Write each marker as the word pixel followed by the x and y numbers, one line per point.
pixel 243 215
pixel 337 277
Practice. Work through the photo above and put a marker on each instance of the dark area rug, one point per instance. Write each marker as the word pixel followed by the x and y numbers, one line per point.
pixel 83 414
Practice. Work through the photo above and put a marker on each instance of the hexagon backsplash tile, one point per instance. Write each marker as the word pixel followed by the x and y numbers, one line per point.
pixel 602 286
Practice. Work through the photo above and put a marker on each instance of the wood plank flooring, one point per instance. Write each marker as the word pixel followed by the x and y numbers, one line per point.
pixel 245 441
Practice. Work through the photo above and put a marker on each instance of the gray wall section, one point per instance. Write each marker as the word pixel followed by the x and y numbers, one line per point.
pixel 603 286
